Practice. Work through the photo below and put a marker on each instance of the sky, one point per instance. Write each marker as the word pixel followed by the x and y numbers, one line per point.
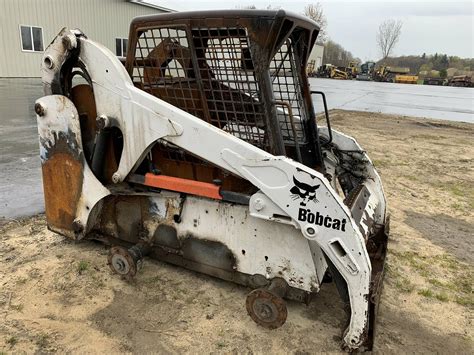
pixel 428 26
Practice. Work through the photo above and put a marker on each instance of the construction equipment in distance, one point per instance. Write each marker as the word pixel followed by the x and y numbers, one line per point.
pixel 351 70
pixel 204 151
pixel 366 71
pixel 461 80
pixel 311 68
pixel 387 74
pixel 434 81
pixel 331 72
pixel 406 79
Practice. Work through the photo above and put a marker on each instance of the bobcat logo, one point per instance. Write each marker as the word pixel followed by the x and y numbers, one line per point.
pixel 304 192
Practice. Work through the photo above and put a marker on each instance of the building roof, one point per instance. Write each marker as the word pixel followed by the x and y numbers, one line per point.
pixel 150 3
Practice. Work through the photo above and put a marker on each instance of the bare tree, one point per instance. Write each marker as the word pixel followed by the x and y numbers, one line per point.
pixel 388 36
pixel 315 13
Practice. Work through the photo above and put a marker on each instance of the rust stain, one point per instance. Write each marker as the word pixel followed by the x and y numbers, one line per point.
pixel 62 184
pixel 83 98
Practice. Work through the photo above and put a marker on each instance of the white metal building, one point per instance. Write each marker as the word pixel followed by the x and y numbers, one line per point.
pixel 316 55
pixel 28 26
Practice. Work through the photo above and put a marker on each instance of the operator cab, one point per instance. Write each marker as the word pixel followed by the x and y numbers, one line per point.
pixel 241 71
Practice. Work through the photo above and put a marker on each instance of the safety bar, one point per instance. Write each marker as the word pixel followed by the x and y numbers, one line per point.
pixel 328 124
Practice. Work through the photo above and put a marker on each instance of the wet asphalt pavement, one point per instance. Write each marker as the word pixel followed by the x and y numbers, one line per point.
pixel 441 102
pixel 21 190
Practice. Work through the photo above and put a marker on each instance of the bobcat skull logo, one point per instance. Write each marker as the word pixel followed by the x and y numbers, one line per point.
pixel 304 192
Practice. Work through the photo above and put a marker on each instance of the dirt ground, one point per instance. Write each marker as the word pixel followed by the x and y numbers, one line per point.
pixel 57 295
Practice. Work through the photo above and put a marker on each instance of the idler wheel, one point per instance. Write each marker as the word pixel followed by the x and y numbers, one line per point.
pixel 266 307
pixel 125 262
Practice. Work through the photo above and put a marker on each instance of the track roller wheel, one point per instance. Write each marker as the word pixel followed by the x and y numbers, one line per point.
pixel 266 306
pixel 127 262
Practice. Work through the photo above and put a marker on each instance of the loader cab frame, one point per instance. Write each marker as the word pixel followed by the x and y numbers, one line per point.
pixel 242 71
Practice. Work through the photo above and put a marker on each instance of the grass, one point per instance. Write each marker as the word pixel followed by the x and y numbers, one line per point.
pixel 458 207
pixel 22 281
pixel 17 307
pixel 447 261
pixel 12 341
pixel 404 285
pixel 380 163
pixel 455 286
pixel 426 293
pixel 464 283
pixel 42 340
pixel 412 178
pixel 82 267
pixel 220 344
pixel 413 259
pixel 467 301
pixel 98 282
pixel 457 190
pixel 437 283
pixel 443 297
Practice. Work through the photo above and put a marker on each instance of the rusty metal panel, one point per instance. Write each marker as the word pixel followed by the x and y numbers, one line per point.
pixel 62 185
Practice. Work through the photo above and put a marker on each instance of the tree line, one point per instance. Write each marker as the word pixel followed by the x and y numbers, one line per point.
pixel 387 36
pixel 439 62
pixel 336 55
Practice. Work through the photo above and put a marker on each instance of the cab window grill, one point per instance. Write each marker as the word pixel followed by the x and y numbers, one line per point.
pixel 229 83
pixel 209 72
pixel 213 78
pixel 284 73
pixel 163 67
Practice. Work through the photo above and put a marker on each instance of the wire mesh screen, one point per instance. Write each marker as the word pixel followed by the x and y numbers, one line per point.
pixel 229 83
pixel 163 67
pixel 284 73
pixel 224 90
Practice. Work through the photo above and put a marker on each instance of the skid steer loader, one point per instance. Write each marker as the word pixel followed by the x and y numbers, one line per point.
pixel 202 149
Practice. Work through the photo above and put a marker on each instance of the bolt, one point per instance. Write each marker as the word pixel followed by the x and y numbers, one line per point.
pixel 102 122
pixel 310 232
pixel 116 178
pixel 39 109
pixel 258 204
